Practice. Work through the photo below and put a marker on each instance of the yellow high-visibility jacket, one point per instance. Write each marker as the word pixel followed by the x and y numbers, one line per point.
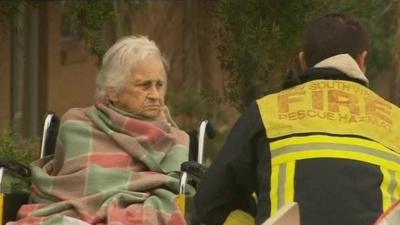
pixel 330 144
pixel 333 143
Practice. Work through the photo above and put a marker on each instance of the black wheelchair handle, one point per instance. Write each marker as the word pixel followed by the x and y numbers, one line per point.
pixel 16 167
pixel 210 131
pixel 193 168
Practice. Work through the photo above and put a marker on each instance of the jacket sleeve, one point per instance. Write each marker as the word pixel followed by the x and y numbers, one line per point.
pixel 232 178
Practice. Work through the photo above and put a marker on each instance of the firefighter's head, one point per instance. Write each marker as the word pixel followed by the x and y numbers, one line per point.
pixel 333 34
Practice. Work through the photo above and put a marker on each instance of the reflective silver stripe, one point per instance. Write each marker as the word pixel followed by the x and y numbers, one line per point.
pixel 392 186
pixel 281 185
pixel 295 148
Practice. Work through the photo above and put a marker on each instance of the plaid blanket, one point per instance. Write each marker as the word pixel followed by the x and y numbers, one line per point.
pixel 109 168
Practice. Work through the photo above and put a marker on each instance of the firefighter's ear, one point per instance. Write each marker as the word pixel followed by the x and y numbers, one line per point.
pixel 362 60
pixel 302 61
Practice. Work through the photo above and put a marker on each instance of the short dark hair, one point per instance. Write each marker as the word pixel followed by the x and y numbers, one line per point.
pixel 334 34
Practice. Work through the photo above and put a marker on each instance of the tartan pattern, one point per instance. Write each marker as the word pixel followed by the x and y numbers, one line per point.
pixel 108 168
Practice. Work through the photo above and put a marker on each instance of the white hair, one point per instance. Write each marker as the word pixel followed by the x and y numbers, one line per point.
pixel 120 60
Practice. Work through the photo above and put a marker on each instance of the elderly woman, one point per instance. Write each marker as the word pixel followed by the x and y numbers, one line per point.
pixel 116 162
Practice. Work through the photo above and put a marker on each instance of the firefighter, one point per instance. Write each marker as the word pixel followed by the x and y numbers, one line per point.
pixel 326 142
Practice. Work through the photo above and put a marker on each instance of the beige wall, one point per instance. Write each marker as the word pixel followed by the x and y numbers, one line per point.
pixel 184 32
pixel 71 83
pixel 182 29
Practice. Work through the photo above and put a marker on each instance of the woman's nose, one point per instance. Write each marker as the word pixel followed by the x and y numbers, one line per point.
pixel 154 92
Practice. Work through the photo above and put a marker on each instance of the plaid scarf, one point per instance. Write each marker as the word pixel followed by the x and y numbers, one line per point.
pixel 109 168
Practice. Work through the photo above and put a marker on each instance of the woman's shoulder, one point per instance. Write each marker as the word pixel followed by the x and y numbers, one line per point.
pixel 180 136
pixel 75 114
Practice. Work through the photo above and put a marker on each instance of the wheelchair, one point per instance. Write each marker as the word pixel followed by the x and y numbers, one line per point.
pixel 15 177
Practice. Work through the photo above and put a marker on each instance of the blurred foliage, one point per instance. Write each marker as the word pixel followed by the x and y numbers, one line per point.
pixel 88 18
pixel 190 108
pixel 260 39
pixel 10 149
pixel 13 147
pixel 9 9
pixel 14 184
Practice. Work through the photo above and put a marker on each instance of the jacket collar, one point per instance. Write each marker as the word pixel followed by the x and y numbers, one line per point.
pixel 345 64
pixel 338 67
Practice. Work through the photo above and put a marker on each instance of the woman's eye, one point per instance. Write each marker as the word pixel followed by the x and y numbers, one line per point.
pixel 146 85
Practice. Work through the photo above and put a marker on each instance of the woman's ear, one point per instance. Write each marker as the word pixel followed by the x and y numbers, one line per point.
pixel 112 96
pixel 361 61
pixel 302 61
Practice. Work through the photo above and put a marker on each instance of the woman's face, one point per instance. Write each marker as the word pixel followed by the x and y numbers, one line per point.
pixel 144 90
